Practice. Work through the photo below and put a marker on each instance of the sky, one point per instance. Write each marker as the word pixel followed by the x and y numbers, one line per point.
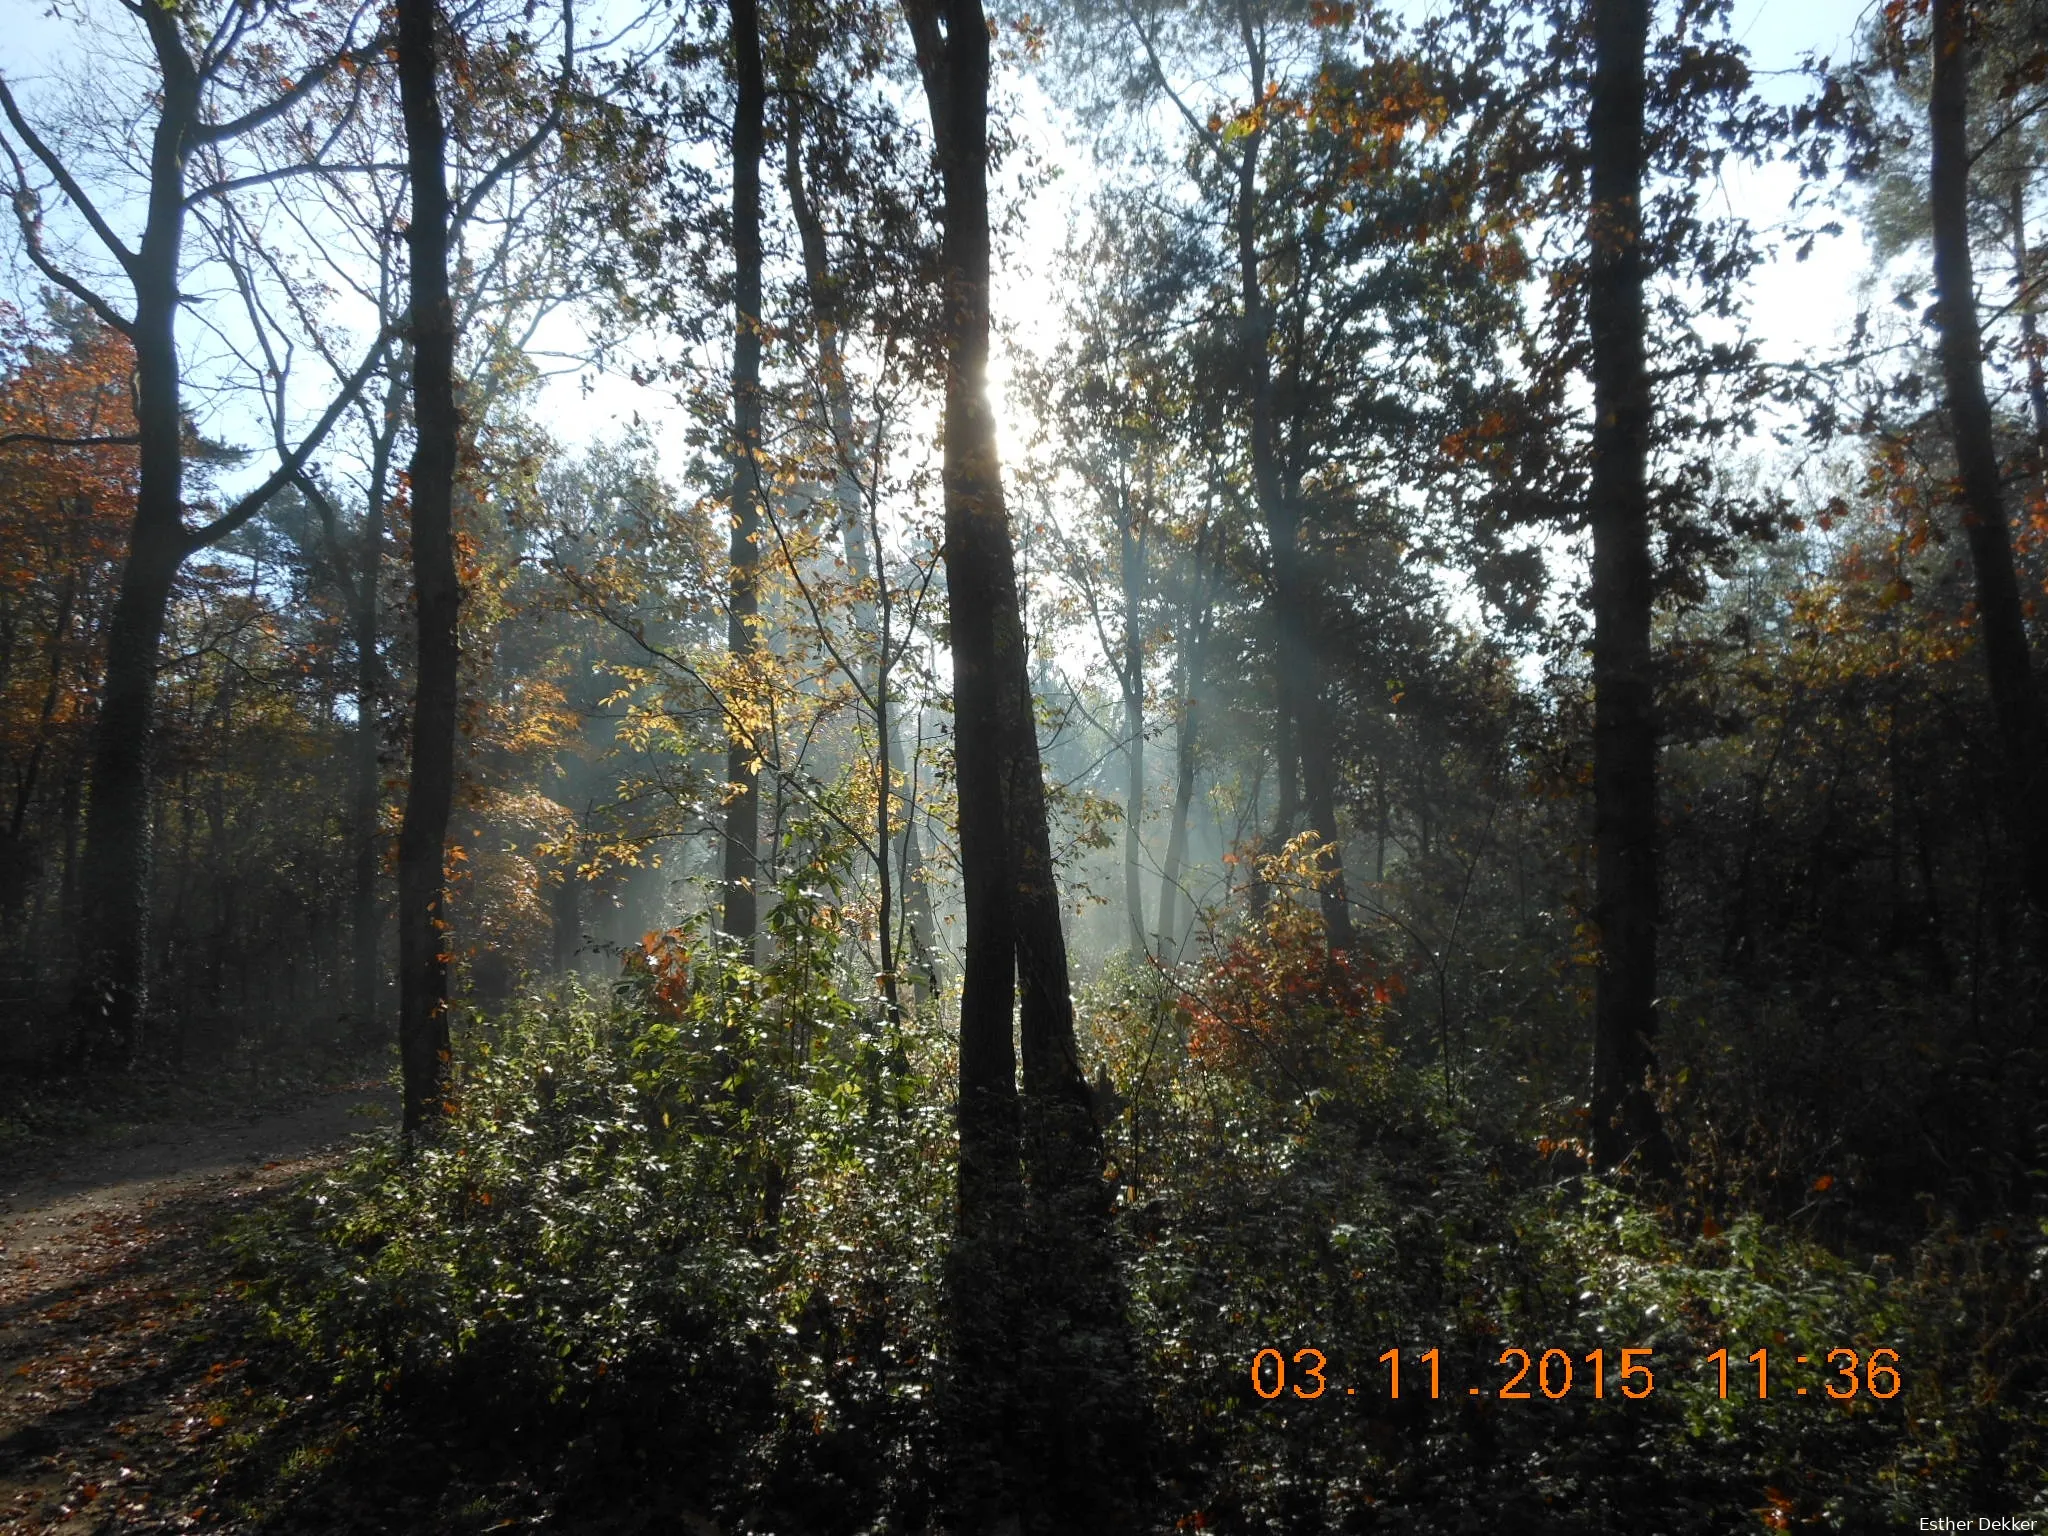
pixel 1795 308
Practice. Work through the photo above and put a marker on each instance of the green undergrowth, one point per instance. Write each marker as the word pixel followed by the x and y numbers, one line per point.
pixel 1286 1189
pixel 679 1244
pixel 690 1226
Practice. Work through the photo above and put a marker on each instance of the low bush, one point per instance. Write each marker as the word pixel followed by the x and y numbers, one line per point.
pixel 693 1223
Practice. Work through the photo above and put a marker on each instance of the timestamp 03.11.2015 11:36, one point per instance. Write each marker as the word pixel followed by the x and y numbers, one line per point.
pixel 1521 1375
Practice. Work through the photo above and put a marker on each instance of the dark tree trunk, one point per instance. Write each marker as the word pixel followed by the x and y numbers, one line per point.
pixel 2030 328
pixel 365 919
pixel 1131 669
pixel 111 983
pixel 1624 1113
pixel 1302 731
pixel 981 1279
pixel 565 918
pixel 743 809
pixel 916 897
pixel 114 880
pixel 1042 1397
pixel 423 947
pixel 1319 777
pixel 1190 677
pixel 21 863
pixel 1186 734
pixel 2000 616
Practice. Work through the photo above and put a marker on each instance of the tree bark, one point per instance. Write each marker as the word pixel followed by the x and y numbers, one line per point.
pixel 1131 671
pixel 365 793
pixel 915 895
pixel 2030 329
pixel 114 878
pixel 982 610
pixel 111 985
pixel 1302 728
pixel 984 617
pixel 2000 615
pixel 1184 738
pixel 423 945
pixel 1624 1113
pixel 1044 1319
pixel 743 775
pixel 1190 676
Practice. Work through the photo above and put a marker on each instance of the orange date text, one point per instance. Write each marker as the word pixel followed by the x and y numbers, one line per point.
pixel 1527 1375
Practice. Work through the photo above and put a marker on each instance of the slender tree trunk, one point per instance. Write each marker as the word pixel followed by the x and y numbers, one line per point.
pixel 1319 773
pixel 2000 615
pixel 114 880
pixel 743 808
pixel 365 793
pixel 1624 1114
pixel 423 957
pixel 856 533
pixel 1185 735
pixel 21 866
pixel 565 918
pixel 1303 728
pixel 1190 677
pixel 915 895
pixel 914 892
pixel 996 733
pixel 1131 568
pixel 2030 328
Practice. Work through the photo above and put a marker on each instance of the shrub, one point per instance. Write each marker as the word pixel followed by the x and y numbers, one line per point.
pixel 692 1211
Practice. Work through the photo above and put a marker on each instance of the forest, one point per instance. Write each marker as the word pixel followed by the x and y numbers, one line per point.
pixel 900 768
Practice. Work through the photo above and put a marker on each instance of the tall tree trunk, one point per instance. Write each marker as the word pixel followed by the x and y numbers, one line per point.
pixel 1303 735
pixel 856 533
pixel 1319 775
pixel 916 897
pixel 743 808
pixel 1050 1309
pixel 1185 735
pixel 2024 299
pixel 365 922
pixel 565 917
pixel 981 1279
pixel 423 957
pixel 114 880
pixel 1190 677
pixel 21 865
pixel 2000 616
pixel 1131 570
pixel 1624 1113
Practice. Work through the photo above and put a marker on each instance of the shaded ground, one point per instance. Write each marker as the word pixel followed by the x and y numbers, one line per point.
pixel 138 1394
pixel 122 1389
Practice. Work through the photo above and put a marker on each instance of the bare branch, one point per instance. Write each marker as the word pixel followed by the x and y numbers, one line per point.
pixel 298 91
pixel 539 136
pixel 264 178
pixel 285 473
pixel 50 440
pixel 72 190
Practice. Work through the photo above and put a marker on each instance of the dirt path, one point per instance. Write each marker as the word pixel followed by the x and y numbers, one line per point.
pixel 110 1296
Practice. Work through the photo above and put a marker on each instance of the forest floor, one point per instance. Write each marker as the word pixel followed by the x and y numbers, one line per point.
pixel 122 1385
